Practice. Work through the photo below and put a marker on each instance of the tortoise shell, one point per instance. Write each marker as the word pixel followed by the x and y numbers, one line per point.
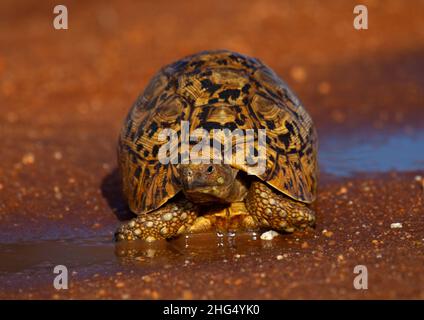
pixel 216 89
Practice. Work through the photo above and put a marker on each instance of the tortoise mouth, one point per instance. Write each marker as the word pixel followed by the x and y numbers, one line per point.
pixel 204 196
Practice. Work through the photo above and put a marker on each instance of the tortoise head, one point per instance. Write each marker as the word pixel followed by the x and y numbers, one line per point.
pixel 208 183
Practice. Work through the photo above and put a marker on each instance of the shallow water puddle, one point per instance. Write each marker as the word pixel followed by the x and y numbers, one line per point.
pixel 86 256
pixel 345 155
pixel 18 257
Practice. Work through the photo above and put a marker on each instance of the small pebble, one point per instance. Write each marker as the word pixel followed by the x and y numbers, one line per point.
pixel 327 233
pixel 269 235
pixel 396 225
pixel 57 193
pixel 280 257
pixel 28 158
pixel 155 295
pixel 342 190
pixel 420 180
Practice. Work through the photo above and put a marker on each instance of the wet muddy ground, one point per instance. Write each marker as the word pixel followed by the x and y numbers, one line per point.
pixel 63 97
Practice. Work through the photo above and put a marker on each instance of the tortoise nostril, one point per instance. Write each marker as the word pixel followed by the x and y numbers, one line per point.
pixel 210 169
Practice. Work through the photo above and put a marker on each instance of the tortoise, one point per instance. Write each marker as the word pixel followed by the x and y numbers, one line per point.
pixel 217 90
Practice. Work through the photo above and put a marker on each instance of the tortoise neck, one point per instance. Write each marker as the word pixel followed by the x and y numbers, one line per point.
pixel 238 190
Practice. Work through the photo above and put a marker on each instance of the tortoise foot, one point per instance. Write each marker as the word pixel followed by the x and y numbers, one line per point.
pixel 163 223
pixel 276 211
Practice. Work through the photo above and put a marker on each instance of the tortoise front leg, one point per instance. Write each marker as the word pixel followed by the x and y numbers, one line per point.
pixel 276 211
pixel 166 222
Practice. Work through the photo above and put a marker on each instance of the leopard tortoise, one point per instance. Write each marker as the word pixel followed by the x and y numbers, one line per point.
pixel 217 90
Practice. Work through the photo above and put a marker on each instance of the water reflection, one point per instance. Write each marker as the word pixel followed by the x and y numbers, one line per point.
pixel 195 247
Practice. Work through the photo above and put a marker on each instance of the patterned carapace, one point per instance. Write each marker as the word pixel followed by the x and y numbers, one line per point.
pixel 216 90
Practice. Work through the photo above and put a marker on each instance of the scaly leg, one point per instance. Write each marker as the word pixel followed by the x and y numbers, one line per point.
pixel 276 211
pixel 166 222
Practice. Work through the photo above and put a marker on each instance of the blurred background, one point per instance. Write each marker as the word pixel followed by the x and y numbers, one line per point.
pixel 64 95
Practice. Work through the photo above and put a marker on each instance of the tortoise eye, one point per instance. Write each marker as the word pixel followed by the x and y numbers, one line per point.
pixel 210 169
